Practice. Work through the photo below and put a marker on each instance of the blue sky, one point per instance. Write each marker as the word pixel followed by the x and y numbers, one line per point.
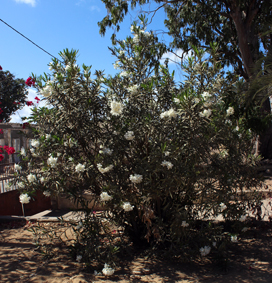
pixel 55 25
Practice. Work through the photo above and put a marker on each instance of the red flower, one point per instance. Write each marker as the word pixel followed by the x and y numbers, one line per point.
pixel 16 102
pixel 9 150
pixel 30 82
pixel 37 98
pixel 1 111
pixel 1 131
pixel 1 157
pixel 29 103
pixel 25 125
pixel 1 68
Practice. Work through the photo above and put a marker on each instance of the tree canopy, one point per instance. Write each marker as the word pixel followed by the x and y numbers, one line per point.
pixel 13 94
pixel 241 28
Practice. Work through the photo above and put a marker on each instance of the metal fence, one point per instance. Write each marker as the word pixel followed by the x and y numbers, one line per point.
pixel 6 176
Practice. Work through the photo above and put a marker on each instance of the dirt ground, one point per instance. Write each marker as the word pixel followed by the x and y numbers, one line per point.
pixel 250 260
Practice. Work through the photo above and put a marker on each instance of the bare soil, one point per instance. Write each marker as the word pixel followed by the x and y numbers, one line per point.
pixel 250 260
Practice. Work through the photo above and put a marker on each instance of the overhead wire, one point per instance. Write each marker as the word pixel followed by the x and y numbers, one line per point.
pixel 29 40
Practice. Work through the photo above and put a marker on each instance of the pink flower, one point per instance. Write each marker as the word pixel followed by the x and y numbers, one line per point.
pixel 1 157
pixel 1 131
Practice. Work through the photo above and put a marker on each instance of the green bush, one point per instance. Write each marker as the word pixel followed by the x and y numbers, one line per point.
pixel 162 157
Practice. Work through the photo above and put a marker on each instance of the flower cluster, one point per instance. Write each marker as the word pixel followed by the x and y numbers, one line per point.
pixel 107 270
pixel 171 113
pixel 167 164
pixel 136 178
pixel 104 170
pixel 129 135
pixel 205 250
pixel 52 161
pixel 80 167
pixel 127 206
pixel 104 196
pixel 116 108
pixel 30 82
pixel 24 198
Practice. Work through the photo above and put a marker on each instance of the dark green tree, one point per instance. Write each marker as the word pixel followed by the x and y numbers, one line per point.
pixel 240 28
pixel 13 94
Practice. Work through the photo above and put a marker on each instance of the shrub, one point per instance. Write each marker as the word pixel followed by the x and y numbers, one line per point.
pixel 161 157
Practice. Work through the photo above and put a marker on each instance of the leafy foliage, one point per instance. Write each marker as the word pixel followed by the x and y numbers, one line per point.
pixel 13 95
pixel 160 158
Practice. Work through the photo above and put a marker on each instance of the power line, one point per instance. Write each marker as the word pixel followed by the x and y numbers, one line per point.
pixel 29 40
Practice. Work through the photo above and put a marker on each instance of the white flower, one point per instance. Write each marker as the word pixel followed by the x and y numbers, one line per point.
pixel 21 185
pixel 116 108
pixel 107 270
pixel 234 239
pixel 136 39
pixel 104 170
pixel 230 111
pixel 42 179
pixel 171 113
pixel 124 74
pixel 166 153
pixel 196 100
pixel 68 67
pixel 243 218
pixel 176 100
pixel 116 65
pixel 205 251
pixel 222 206
pixel 167 164
pixel 80 167
pixel 184 224
pixel 206 113
pixel 47 193
pixel 23 151
pixel 35 143
pixel 237 129
pixel 46 91
pixel 136 178
pixel 24 198
pixel 129 135
pixel 52 161
pixel 133 89
pixel 132 28
pixel 17 167
pixel 47 136
pixel 31 178
pixel 104 196
pixel 205 95
pixel 127 206
pixel 214 244
pixel 79 258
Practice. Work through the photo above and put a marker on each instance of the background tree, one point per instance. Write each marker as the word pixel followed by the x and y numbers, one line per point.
pixel 13 94
pixel 241 30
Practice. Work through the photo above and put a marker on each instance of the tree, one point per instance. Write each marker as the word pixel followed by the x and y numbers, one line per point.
pixel 13 94
pixel 241 30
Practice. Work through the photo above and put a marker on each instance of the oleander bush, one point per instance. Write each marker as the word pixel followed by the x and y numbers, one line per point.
pixel 162 157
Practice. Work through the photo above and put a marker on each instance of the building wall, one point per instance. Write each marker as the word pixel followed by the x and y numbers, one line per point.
pixel 14 135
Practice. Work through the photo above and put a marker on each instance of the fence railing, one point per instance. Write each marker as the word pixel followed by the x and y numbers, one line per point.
pixel 6 176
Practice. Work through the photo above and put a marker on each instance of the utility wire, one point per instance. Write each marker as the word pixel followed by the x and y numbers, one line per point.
pixel 29 40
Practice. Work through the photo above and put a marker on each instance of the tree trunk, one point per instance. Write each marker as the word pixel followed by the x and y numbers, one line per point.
pixel 265 139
